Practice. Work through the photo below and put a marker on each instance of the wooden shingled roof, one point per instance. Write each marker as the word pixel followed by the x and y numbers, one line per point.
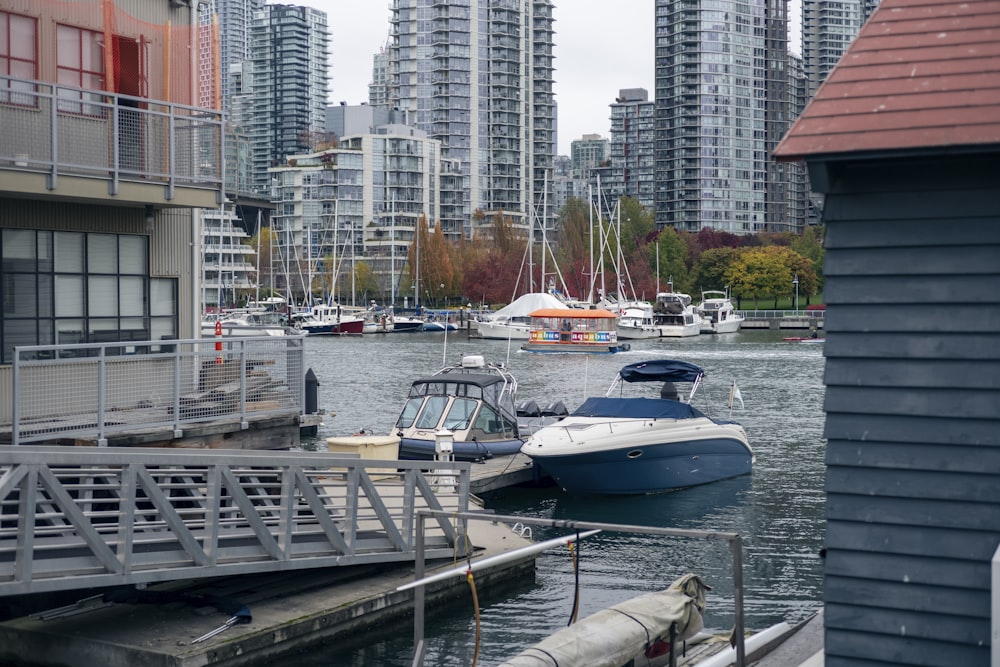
pixel 920 74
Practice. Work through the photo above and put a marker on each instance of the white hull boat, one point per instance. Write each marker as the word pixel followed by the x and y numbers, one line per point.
pixel 636 445
pixel 717 313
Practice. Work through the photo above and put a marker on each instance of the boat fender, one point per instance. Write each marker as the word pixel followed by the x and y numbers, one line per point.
pixel 657 648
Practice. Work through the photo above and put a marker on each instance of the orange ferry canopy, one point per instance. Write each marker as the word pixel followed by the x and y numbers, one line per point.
pixel 573 313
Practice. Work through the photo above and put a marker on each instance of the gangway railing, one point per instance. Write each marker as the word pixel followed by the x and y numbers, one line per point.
pixel 93 390
pixel 74 518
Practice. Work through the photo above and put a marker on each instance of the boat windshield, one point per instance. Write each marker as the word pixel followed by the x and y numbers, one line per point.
pixel 409 413
pixel 460 415
pixel 431 414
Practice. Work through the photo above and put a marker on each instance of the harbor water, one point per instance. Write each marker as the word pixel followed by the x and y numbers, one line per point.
pixel 777 510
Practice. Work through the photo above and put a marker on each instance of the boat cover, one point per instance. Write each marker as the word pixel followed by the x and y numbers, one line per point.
pixel 636 408
pixel 614 636
pixel 525 304
pixel 661 370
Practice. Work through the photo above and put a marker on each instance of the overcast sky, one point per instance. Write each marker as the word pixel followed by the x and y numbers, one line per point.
pixel 601 46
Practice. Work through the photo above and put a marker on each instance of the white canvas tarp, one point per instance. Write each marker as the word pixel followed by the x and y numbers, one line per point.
pixel 525 304
pixel 614 636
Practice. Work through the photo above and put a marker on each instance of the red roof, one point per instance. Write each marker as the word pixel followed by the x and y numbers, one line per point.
pixel 921 73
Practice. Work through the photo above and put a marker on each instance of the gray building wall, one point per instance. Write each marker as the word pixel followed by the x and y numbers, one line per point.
pixel 913 408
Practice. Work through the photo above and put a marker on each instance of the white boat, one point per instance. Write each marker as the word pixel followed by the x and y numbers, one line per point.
pixel 636 322
pixel 634 445
pixel 378 320
pixel 718 315
pixel 631 632
pixel 475 402
pixel 675 315
pixel 513 322
pixel 328 320
pixel 247 322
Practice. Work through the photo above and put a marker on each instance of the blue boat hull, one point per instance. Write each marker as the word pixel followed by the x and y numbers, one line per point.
pixel 415 449
pixel 649 468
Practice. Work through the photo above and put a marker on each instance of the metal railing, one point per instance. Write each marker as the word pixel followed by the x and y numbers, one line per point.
pixel 64 130
pixel 733 540
pixel 74 518
pixel 93 390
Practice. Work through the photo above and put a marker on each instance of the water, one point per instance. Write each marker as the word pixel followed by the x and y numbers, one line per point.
pixel 778 510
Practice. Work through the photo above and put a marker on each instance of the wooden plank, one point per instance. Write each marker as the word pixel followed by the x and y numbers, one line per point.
pixel 945 403
pixel 921 262
pixel 920 290
pixel 875 482
pixel 963 545
pixel 859 649
pixel 909 596
pixel 923 625
pixel 929 373
pixel 850 429
pixel 927 344
pixel 911 509
pixel 909 456
pixel 868 231
pixel 896 567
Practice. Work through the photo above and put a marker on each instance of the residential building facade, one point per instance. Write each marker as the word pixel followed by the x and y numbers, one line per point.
pixel 359 202
pixel 588 153
pixel 285 113
pixel 711 149
pixel 828 28
pixel 229 272
pixel 478 77
pixel 633 147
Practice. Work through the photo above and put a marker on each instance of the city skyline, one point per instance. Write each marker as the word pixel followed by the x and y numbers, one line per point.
pixel 594 58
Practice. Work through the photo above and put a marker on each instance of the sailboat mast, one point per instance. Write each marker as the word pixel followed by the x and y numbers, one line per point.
pixel 545 211
pixel 590 200
pixel 392 250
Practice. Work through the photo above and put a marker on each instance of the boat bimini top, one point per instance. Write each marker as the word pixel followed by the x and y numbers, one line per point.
pixel 660 370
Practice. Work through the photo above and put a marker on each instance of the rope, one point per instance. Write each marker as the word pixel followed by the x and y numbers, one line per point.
pixel 576 585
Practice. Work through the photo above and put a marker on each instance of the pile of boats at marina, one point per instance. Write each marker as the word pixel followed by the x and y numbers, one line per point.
pixel 624 442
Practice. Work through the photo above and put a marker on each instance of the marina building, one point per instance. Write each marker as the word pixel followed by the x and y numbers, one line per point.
pixel 103 157
pixel 477 76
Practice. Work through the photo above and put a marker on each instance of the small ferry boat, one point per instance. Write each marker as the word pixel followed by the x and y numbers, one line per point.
pixel 573 330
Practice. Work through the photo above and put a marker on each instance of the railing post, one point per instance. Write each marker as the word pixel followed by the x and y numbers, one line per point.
pixel 244 424
pixel 418 593
pixel 15 424
pixel 53 178
pixel 102 436
pixel 738 623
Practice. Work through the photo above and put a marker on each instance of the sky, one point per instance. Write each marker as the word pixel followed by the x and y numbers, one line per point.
pixel 600 48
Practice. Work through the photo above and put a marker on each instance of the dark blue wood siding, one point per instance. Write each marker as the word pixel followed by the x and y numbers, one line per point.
pixel 913 409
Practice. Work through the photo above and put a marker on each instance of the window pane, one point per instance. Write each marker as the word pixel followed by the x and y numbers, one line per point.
pixel 18 250
pixel 69 332
pixel 68 47
pixel 17 332
pixel 69 252
pixel 162 328
pixel 163 295
pixel 44 292
pixel 102 253
pixel 102 296
pixel 132 255
pixel 132 296
pixel 69 296
pixel 19 295
pixel 44 252
pixel 22 37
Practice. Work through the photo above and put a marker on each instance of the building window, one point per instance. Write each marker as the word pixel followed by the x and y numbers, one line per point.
pixel 18 59
pixel 80 64
pixel 72 287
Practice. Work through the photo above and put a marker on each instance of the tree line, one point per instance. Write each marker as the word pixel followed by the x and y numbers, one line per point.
pixel 621 253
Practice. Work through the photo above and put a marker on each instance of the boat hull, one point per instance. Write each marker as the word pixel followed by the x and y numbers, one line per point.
pixel 575 348
pixel 503 331
pixel 639 456
pixel 726 326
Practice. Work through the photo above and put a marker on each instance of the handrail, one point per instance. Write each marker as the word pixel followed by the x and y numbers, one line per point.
pixel 93 390
pixel 733 539
pixel 73 518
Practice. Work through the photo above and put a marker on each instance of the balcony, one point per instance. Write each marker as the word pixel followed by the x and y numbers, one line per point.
pixel 72 143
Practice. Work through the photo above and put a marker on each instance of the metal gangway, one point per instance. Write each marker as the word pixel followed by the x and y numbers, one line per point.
pixel 74 518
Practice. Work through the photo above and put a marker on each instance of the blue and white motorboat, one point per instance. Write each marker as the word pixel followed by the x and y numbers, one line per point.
pixel 634 445
pixel 475 403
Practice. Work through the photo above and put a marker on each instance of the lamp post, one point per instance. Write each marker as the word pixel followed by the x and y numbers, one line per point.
pixel 795 282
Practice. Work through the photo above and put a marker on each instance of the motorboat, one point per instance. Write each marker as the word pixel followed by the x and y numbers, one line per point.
pixel 439 325
pixel 247 322
pixel 474 403
pixel 573 330
pixel 718 315
pixel 635 322
pixel 513 322
pixel 813 338
pixel 675 315
pixel 634 445
pixel 378 320
pixel 322 319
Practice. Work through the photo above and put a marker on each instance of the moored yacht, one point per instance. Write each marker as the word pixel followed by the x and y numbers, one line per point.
pixel 718 315
pixel 675 315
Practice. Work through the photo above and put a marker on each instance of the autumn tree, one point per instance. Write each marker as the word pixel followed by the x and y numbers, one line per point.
pixel 572 249
pixel 435 266
pixel 672 260
pixel 768 271
pixel 710 271
pixel 262 244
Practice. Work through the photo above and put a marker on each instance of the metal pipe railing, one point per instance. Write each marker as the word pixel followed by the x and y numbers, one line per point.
pixel 733 539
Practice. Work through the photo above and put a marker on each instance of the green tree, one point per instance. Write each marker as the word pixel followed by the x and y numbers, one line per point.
pixel 365 285
pixel 768 271
pixel 672 260
pixel 710 271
